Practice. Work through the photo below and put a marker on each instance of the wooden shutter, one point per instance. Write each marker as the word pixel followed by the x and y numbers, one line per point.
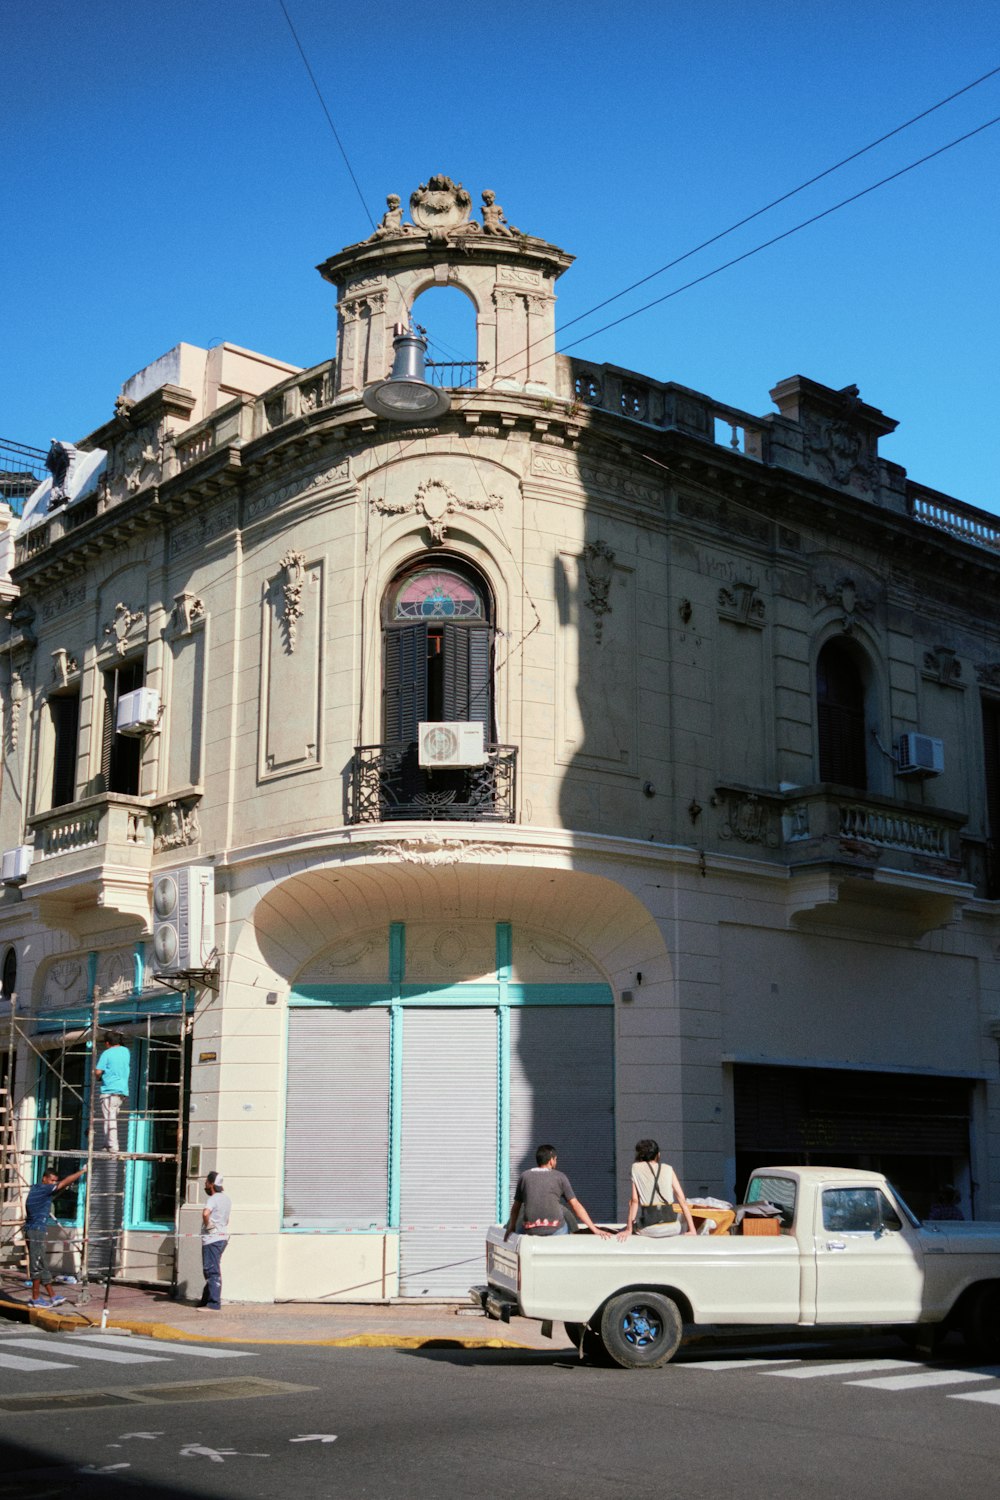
pixel 562 1092
pixel 337 1118
pixel 404 679
pixel 468 675
pixel 448 1109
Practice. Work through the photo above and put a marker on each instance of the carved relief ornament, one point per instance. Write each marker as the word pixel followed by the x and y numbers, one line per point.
pixel 848 598
pixel 122 625
pixel 435 500
pixel 293 567
pixel 942 665
pixel 188 612
pixel 598 566
pixel 741 602
pixel 437 850
pixel 175 825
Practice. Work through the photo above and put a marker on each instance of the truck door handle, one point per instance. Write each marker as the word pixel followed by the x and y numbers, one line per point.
pixel 836 1244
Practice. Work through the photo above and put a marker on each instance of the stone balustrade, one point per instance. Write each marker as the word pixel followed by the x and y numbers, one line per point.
pixel 946 514
pixel 824 822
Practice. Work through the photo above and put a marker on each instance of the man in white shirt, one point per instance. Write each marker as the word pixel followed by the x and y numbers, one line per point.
pixel 214 1239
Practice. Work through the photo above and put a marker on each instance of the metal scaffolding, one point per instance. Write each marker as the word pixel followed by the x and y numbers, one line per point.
pixel 54 1118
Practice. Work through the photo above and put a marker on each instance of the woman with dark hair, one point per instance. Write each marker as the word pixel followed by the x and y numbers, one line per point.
pixel 655 1192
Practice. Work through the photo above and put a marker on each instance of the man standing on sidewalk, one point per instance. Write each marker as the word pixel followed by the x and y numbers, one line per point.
pixel 214 1239
pixel 37 1211
pixel 541 1193
pixel 112 1073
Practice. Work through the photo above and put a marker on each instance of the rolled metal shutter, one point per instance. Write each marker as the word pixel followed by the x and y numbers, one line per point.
pixel 448 1149
pixel 562 1092
pixel 337 1119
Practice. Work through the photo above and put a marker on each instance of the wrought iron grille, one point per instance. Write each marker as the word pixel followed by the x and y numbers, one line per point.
pixel 388 783
pixel 454 374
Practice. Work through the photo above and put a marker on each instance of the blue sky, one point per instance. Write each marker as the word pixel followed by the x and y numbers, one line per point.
pixel 170 175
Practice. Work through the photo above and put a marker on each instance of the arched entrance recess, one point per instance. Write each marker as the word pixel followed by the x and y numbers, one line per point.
pixel 428 1055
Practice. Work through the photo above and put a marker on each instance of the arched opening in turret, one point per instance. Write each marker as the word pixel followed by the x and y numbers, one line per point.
pixel 449 316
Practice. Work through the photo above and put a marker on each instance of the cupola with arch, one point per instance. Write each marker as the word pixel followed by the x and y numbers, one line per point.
pixel 508 277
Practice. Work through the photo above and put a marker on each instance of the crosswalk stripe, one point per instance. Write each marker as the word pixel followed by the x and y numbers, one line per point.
pixel 845 1367
pixel 21 1362
pixel 991 1397
pixel 111 1356
pixel 733 1364
pixel 915 1382
pixel 199 1351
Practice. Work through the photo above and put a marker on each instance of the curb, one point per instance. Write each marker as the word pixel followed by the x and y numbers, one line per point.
pixel 54 1322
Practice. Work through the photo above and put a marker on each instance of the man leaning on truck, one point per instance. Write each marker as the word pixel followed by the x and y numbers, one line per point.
pixel 541 1193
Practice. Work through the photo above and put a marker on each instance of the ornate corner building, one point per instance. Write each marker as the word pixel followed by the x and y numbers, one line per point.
pixel 721 865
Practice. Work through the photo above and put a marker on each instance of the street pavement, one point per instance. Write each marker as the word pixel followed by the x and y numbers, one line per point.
pixel 102 1414
pixel 400 1325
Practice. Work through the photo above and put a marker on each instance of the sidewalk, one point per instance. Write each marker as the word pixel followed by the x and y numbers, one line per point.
pixel 402 1325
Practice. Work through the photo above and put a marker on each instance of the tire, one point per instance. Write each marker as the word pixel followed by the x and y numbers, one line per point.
pixel 981 1322
pixel 641 1330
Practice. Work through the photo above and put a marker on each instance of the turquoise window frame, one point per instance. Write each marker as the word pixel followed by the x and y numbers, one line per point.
pixel 500 994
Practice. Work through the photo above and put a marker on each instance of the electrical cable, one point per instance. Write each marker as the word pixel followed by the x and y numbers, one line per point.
pixel 329 119
pixel 786 234
pixel 783 198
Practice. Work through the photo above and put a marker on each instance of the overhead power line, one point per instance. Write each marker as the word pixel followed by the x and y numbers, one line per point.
pixel 783 198
pixel 786 234
pixel 329 118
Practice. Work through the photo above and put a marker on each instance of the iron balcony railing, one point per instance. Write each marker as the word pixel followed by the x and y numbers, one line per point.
pixel 387 783
pixel 454 374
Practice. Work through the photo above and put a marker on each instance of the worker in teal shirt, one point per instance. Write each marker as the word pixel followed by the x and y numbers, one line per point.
pixel 112 1072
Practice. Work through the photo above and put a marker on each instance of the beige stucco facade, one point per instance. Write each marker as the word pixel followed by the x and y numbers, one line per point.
pixel 662 575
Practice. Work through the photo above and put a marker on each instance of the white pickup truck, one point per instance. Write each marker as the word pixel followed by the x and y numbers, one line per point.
pixel 848 1251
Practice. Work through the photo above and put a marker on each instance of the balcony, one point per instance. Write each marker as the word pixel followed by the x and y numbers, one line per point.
pixel 387 784
pixel 94 852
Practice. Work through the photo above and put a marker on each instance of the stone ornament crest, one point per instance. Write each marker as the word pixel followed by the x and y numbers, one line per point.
pixel 749 820
pixel 942 665
pixel 64 667
pixel 742 603
pixel 120 629
pixel 598 566
pixel 840 452
pixel 436 849
pixel 845 596
pixel 136 460
pixel 175 826
pixel 440 205
pixel 435 500
pixel 188 612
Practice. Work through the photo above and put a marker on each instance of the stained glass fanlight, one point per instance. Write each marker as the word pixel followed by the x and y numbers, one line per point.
pixel 437 594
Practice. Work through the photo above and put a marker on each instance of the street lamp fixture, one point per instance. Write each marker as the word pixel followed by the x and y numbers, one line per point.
pixel 406 396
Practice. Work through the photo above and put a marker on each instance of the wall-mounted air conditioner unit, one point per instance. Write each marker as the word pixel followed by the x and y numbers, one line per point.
pixel 138 711
pixel 16 864
pixel 443 745
pixel 183 919
pixel 919 755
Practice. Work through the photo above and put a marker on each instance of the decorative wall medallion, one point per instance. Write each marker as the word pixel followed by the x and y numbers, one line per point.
pixel 121 626
pixel 742 603
pixel 188 611
pixel 293 566
pixel 175 826
pixel 847 597
pixel 598 565
pixel 135 460
pixel 942 665
pixel 65 973
pixel 450 948
pixel 437 850
pixel 435 500
pixel 749 820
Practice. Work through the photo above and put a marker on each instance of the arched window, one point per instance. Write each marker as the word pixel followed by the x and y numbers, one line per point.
pixel 8 977
pixel 840 707
pixel 437 651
